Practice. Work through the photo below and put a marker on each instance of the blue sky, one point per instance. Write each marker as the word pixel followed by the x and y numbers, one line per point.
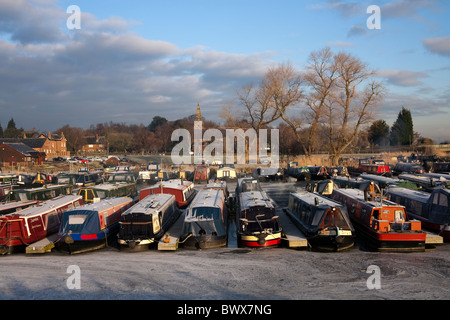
pixel 132 60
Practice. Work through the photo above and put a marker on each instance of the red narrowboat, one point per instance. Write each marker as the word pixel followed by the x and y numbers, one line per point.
pixel 183 191
pixel 382 223
pixel 378 167
pixel 19 229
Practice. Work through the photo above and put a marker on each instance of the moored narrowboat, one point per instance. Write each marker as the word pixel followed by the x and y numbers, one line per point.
pixel 107 190
pixel 183 191
pixel 147 221
pixel 43 193
pixel 432 209
pixel 257 221
pixel 382 223
pixel 226 172
pixel 92 226
pixel 324 222
pixel 206 221
pixel 21 228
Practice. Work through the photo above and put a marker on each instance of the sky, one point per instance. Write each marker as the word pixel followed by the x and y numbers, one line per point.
pixel 132 60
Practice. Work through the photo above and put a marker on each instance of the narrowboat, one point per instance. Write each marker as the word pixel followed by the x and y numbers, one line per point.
pixel 205 221
pixel 21 228
pixel 78 180
pixel 337 171
pixel 318 172
pixel 405 167
pixel 385 182
pixel 269 173
pixel 165 175
pixel 147 221
pixel 13 206
pixel 427 183
pixel 358 183
pixel 201 174
pixel 432 209
pixel 299 173
pixel 247 184
pixel 323 221
pixel 107 190
pixel 372 166
pixel 149 173
pixel 257 221
pixel 43 193
pixel 382 223
pixel 5 191
pixel 91 226
pixel 183 191
pixel 323 187
pixel 226 172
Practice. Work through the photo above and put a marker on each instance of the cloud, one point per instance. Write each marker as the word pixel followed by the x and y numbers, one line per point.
pixel 32 21
pixel 105 72
pixel 402 78
pixel 440 46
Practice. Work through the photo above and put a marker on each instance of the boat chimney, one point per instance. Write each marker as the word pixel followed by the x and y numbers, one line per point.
pixel 316 201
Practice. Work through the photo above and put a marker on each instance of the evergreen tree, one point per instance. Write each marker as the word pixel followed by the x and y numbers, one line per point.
pixel 379 133
pixel 1 131
pixel 402 132
pixel 11 130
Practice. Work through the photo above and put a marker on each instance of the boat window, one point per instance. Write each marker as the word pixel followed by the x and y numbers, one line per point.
pixel 77 218
pixel 435 198
pixel 101 194
pixel 317 217
pixel 398 214
pixel 443 201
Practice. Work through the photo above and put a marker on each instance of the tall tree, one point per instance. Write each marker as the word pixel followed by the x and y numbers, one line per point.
pixel 11 130
pixel 402 132
pixel 156 122
pixel 379 133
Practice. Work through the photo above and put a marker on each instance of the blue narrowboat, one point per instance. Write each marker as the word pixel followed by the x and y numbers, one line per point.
pixel 91 226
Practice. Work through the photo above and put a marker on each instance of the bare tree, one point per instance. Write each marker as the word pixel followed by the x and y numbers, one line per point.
pixel 268 102
pixel 349 108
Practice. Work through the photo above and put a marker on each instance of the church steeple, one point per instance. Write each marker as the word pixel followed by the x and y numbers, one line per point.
pixel 198 116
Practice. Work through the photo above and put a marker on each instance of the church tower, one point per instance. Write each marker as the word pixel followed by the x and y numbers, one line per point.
pixel 198 137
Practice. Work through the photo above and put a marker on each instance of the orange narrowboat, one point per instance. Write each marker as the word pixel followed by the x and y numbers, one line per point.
pixel 382 223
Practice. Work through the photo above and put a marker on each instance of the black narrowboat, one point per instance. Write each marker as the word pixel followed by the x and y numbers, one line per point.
pixel 147 221
pixel 324 222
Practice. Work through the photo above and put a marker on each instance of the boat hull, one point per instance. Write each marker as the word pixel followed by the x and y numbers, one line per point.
pixel 331 243
pixel 204 242
pixel 80 243
pixel 391 242
pixel 259 240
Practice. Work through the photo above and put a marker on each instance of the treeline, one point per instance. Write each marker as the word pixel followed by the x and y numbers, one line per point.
pixel 153 138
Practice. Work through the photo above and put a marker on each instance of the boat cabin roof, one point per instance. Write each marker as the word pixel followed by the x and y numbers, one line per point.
pixel 359 196
pixel 178 184
pixel 255 199
pixel 208 198
pixel 409 193
pixel 151 204
pixel 310 198
pixel 45 206
pixel 104 204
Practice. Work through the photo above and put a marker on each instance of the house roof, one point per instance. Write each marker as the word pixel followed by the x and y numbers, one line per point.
pixel 32 143
pixel 21 147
